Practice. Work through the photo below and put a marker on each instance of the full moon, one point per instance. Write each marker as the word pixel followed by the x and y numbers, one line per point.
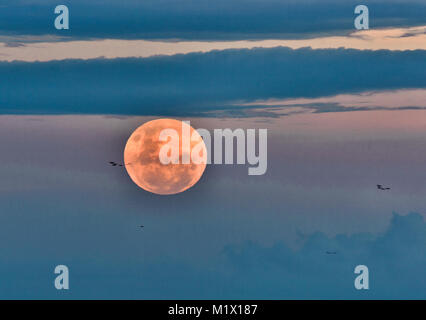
pixel 142 161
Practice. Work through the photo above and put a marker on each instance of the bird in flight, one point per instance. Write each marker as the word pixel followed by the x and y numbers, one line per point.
pixel 380 187
pixel 116 164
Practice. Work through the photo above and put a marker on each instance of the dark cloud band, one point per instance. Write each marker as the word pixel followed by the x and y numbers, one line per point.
pixel 202 19
pixel 184 84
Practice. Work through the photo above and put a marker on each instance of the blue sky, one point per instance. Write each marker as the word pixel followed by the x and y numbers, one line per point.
pixel 340 118
pixel 231 235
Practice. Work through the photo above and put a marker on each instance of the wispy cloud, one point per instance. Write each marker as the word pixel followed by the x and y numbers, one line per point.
pixel 364 101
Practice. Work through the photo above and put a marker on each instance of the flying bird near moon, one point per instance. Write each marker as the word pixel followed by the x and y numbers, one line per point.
pixel 146 170
pixel 381 187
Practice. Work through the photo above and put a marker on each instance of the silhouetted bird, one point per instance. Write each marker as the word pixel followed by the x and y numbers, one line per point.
pixel 115 164
pixel 380 187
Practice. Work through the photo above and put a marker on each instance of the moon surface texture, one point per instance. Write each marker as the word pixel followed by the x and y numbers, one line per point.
pixel 142 161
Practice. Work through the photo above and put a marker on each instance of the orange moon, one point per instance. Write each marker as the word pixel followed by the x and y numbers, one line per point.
pixel 142 161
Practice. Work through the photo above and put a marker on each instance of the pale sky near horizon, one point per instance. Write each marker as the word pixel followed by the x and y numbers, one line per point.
pixel 374 39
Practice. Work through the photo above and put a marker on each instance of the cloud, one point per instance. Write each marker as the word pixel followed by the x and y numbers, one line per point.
pixel 396 260
pixel 193 83
pixel 187 19
pixel 265 111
